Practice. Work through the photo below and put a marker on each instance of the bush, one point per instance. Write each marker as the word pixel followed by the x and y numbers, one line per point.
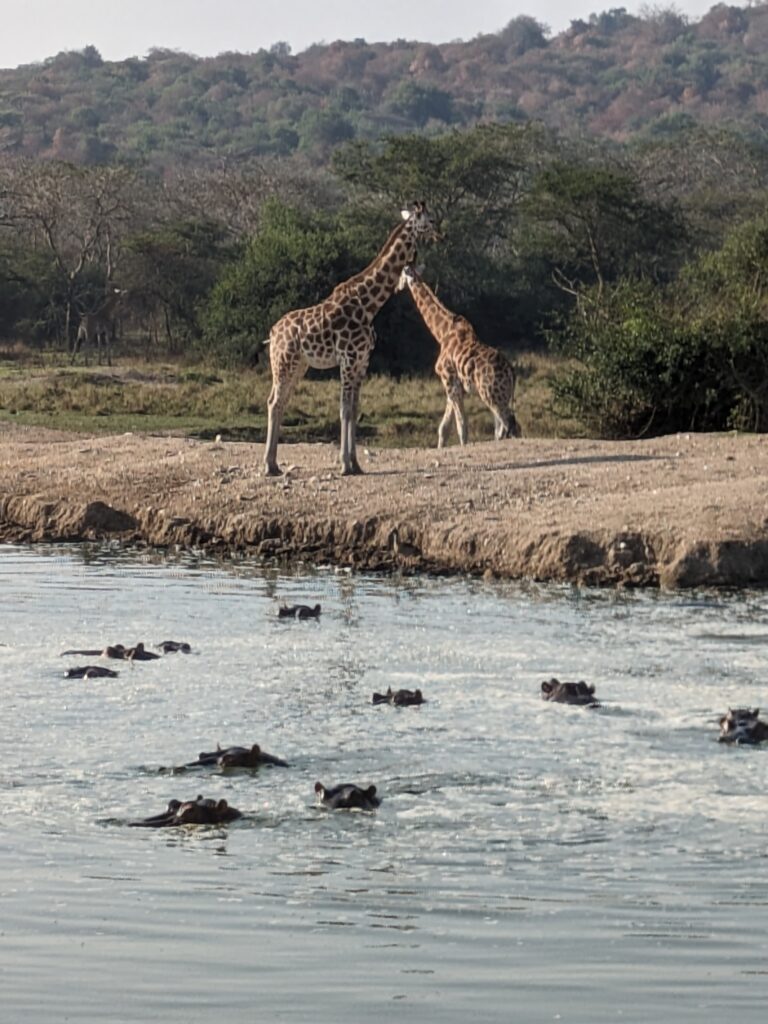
pixel 647 365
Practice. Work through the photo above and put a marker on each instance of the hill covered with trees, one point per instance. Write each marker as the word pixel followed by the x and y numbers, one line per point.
pixel 602 194
pixel 615 75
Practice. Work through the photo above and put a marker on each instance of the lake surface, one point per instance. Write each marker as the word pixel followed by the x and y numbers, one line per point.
pixel 529 862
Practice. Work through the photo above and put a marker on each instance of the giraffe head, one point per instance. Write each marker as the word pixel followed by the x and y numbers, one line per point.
pixel 419 221
pixel 408 276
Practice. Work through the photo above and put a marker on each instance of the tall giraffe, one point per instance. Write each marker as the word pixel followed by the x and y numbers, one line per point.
pixel 97 327
pixel 339 332
pixel 464 364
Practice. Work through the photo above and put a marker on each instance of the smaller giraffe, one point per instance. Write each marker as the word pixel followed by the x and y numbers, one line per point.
pixel 97 327
pixel 464 364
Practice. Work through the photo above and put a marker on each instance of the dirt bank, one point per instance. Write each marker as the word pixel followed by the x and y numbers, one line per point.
pixel 678 511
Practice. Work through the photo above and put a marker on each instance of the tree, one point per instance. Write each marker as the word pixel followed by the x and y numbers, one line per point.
pixel 597 225
pixel 296 258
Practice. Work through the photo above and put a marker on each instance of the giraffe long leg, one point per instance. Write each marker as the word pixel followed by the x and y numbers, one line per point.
pixel 454 391
pixel 445 423
pixel 352 369
pixel 461 419
pixel 351 382
pixel 285 375
pixel 501 422
pixel 76 346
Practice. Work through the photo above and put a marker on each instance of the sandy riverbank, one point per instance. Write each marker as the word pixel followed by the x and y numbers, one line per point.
pixel 678 511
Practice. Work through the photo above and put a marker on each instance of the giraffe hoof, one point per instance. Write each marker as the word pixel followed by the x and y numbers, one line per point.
pixel 353 470
pixel 272 471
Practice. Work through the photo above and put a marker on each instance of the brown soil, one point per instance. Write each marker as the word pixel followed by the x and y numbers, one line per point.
pixel 678 511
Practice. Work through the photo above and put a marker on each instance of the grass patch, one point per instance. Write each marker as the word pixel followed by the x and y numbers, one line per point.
pixel 194 400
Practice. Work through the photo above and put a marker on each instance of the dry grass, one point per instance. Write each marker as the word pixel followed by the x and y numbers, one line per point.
pixel 153 397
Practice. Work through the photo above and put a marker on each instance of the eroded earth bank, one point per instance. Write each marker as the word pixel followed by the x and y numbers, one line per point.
pixel 678 511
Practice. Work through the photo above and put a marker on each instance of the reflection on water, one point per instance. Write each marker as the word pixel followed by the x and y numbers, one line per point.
pixel 528 862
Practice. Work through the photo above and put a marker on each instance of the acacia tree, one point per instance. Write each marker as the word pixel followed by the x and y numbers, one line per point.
pixel 474 183
pixel 78 215
pixel 595 224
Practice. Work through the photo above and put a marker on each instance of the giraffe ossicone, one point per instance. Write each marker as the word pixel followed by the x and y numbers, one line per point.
pixel 339 332
pixel 464 364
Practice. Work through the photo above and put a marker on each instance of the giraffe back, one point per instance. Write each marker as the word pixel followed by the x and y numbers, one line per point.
pixel 480 367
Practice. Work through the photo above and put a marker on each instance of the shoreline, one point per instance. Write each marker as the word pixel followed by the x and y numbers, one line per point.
pixel 680 511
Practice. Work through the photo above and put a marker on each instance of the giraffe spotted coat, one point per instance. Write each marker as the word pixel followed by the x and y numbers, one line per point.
pixel 464 364
pixel 339 332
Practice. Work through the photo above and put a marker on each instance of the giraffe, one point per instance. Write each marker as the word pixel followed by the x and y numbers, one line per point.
pixel 97 326
pixel 464 364
pixel 339 332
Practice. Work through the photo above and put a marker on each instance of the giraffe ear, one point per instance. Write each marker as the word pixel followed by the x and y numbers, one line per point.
pixel 405 213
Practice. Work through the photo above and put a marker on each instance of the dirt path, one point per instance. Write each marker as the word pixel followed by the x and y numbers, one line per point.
pixel 679 511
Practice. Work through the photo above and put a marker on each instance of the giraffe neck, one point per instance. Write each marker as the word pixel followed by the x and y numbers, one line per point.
pixel 377 282
pixel 435 315
pixel 108 305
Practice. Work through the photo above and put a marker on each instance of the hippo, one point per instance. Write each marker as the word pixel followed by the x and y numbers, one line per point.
pixel 110 651
pixel 90 672
pixel 347 796
pixel 400 698
pixel 174 646
pixel 299 611
pixel 742 725
pixel 199 811
pixel 138 653
pixel 238 757
pixel 569 693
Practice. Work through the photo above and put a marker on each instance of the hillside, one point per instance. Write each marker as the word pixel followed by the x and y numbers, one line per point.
pixel 614 76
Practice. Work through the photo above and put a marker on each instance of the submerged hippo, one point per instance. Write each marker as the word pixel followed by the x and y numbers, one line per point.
pixel 175 646
pixel 298 611
pixel 347 796
pixel 110 651
pixel 138 653
pixel 237 757
pixel 569 693
pixel 90 672
pixel 742 725
pixel 400 698
pixel 200 811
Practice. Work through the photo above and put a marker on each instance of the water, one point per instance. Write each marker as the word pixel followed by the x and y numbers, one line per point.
pixel 529 862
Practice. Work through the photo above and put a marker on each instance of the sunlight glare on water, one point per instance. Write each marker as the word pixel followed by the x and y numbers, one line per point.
pixel 529 861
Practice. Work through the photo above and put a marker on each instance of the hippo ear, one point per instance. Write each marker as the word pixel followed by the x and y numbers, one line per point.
pixel 371 791
pixel 418 694
pixel 222 806
pixel 255 749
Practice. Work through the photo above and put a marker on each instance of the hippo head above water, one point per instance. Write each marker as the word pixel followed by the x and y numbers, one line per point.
pixel 742 725
pixel 347 796
pixel 200 811
pixel 400 698
pixel 569 693
pixel 237 757
pixel 299 611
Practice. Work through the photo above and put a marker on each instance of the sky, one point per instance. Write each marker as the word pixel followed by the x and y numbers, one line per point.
pixel 35 29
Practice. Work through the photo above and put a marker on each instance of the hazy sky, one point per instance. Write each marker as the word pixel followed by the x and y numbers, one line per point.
pixel 35 29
